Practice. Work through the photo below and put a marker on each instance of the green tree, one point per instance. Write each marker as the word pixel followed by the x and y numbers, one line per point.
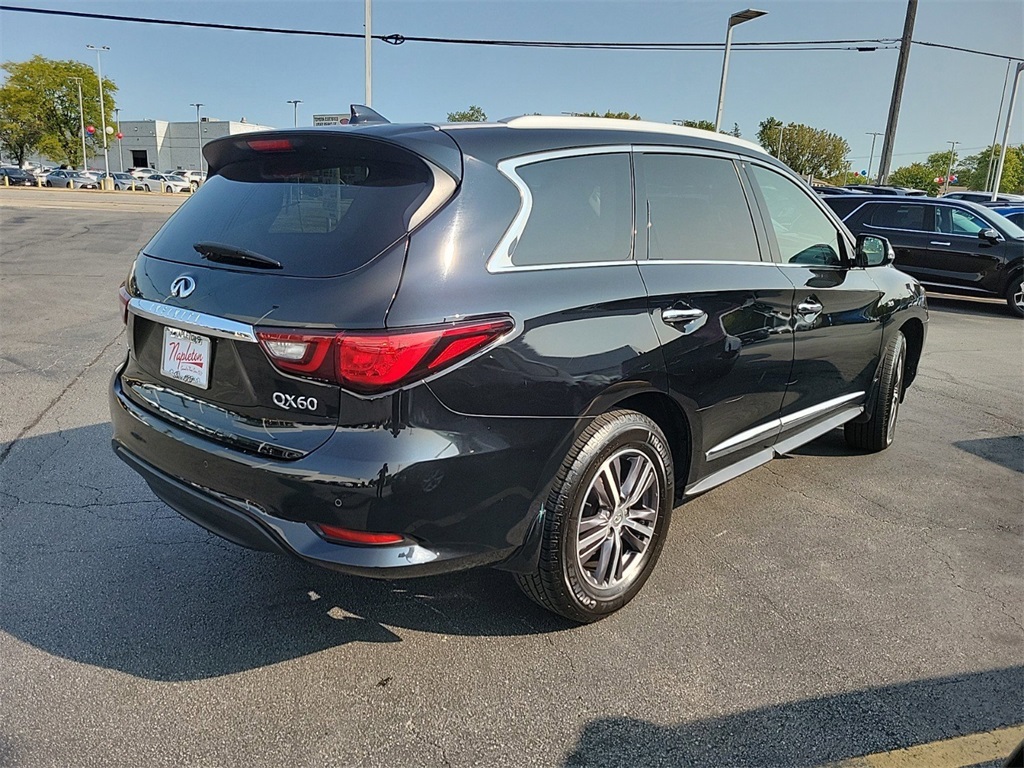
pixel 610 114
pixel 21 128
pixel 973 170
pixel 472 115
pixel 919 176
pixel 704 125
pixel 45 88
pixel 804 149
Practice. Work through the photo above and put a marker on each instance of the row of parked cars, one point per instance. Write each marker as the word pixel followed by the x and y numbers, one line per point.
pixel 140 179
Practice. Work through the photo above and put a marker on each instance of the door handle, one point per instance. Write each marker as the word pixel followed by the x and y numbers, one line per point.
pixel 682 315
pixel 809 307
pixel 686 319
pixel 939 242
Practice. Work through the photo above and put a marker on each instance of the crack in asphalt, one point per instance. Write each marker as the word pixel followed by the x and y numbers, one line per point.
pixel 6 451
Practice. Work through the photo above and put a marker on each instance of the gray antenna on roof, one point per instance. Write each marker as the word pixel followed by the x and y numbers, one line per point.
pixel 362 114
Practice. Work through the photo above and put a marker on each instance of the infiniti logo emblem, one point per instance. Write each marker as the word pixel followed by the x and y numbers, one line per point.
pixel 183 286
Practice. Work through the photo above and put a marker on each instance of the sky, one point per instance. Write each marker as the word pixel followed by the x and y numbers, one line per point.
pixel 160 71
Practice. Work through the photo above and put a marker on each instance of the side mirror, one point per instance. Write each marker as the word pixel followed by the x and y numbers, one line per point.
pixel 873 251
pixel 989 235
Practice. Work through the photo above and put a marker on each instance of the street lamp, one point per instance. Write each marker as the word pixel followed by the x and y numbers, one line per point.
pixel 199 135
pixel 874 135
pixel 81 116
pixel 103 112
pixel 295 111
pixel 735 19
pixel 949 169
pixel 1006 132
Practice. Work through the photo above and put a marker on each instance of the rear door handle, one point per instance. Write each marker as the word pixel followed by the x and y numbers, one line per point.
pixel 682 315
pixel 686 319
pixel 939 242
pixel 809 308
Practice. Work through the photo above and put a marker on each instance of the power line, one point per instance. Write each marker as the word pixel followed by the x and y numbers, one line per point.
pixel 1002 56
pixel 860 44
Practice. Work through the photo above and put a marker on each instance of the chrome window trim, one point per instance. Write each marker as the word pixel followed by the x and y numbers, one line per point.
pixel 189 320
pixel 659 149
pixel 443 188
pixel 500 259
pixel 747 437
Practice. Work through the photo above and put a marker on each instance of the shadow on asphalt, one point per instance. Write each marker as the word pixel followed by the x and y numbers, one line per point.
pixel 814 731
pixel 114 578
pixel 966 306
pixel 1005 451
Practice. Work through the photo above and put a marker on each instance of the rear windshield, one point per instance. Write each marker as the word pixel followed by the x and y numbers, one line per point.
pixel 319 211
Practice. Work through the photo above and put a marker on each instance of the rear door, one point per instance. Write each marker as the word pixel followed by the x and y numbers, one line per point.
pixel 720 310
pixel 836 318
pixel 910 228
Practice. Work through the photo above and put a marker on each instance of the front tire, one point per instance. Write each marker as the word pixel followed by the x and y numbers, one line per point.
pixel 877 433
pixel 605 519
pixel 1015 295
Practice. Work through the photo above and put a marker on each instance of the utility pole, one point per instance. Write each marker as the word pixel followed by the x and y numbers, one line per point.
pixel 1006 131
pixel 949 168
pixel 199 135
pixel 81 116
pixel 897 93
pixel 874 135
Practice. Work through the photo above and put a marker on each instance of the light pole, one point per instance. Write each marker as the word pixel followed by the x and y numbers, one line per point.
pixel 995 133
pixel 120 154
pixel 295 111
pixel 367 10
pixel 199 134
pixel 871 158
pixel 735 19
pixel 782 130
pixel 103 112
pixel 81 116
pixel 1006 131
pixel 949 168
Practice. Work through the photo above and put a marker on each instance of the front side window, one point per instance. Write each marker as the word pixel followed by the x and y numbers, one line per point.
pixel 582 211
pixel 696 210
pixel 957 222
pixel 805 235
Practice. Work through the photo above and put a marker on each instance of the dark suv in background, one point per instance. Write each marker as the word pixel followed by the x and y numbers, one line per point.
pixel 951 246
pixel 397 350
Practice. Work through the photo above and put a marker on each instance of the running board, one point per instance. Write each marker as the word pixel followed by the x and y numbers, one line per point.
pixel 784 446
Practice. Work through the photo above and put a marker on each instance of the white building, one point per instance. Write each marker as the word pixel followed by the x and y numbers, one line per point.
pixel 165 146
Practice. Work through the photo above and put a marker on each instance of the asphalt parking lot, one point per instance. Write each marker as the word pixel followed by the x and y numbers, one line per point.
pixel 822 608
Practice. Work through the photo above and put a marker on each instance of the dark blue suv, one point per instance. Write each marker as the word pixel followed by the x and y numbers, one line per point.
pixel 397 350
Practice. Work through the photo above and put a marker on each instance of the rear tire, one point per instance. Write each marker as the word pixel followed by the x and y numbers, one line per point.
pixel 605 519
pixel 1015 295
pixel 877 433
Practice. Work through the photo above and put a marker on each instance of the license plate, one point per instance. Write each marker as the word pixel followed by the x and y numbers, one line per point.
pixel 186 357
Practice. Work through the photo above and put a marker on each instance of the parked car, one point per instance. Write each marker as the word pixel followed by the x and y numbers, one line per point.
pixel 1014 213
pixel 879 189
pixel 983 197
pixel 828 189
pixel 406 350
pixel 159 182
pixel 952 246
pixel 16 177
pixel 124 181
pixel 142 173
pixel 70 179
pixel 195 178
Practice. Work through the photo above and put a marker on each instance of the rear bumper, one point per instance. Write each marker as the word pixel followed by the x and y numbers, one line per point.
pixel 460 499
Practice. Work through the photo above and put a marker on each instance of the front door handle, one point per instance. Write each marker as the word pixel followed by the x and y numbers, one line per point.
pixel 939 242
pixel 809 307
pixel 687 319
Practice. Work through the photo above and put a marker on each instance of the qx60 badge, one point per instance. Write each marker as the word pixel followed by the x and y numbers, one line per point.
pixel 182 287
pixel 291 402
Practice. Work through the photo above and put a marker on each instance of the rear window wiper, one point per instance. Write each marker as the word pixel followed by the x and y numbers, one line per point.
pixel 229 254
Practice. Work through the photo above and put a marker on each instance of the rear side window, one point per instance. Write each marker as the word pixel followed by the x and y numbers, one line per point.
pixel 696 210
pixel 903 216
pixel 582 211
pixel 319 211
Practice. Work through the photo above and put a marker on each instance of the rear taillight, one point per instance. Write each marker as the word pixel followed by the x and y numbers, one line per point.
pixel 270 145
pixel 377 362
pixel 124 297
